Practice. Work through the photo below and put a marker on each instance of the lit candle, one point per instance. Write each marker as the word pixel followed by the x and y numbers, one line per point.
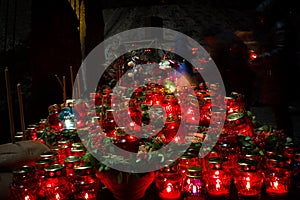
pixel 248 179
pixel 218 180
pixel 85 182
pixel 277 176
pixel 170 193
pixel 168 182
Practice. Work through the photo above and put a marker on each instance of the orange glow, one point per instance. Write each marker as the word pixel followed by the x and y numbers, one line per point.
pixel 194 189
pixel 218 186
pixel 248 186
pixel 169 188
pixel 253 55
pixel 57 197
pixel 275 184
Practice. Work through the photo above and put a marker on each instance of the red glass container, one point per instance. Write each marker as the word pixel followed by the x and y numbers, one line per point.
pixel 127 143
pixel 61 152
pixel 228 149
pixel 42 124
pixel 194 184
pixel 78 151
pixel 52 118
pixel 85 183
pixel 235 103
pixel 50 154
pixel 186 161
pixel 56 185
pixel 109 123
pixel 40 172
pixel 205 111
pixel 32 133
pixel 67 144
pixel 278 177
pixel 248 179
pixel 218 179
pixel 237 123
pixel 168 181
pixel 70 162
pixel 24 185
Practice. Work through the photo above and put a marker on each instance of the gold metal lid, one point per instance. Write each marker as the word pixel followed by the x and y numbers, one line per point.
pixel 71 159
pixel 83 170
pixel 248 165
pixel 54 167
pixel 194 172
pixel 235 116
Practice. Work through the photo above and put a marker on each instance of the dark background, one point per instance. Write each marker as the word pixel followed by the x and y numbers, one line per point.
pixel 102 19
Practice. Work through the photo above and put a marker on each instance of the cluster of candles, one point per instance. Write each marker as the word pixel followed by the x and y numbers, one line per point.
pixel 58 173
pixel 191 177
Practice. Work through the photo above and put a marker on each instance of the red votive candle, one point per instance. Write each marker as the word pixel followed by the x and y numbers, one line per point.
pixel 218 180
pixel 277 176
pixel 86 183
pixel 24 185
pixel 248 179
pixel 56 185
pixel 168 182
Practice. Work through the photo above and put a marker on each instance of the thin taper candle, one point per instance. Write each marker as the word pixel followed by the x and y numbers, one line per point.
pixel 9 102
pixel 72 78
pixel 78 87
pixel 64 89
pixel 21 107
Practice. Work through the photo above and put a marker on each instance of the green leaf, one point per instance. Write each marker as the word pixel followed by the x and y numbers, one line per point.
pixel 247 138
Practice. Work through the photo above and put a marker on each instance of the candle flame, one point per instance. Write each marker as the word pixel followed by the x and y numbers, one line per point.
pixel 169 187
pixel 27 197
pixel 248 186
pixel 57 197
pixel 276 185
pixel 218 186
pixel 195 189
pixel 86 196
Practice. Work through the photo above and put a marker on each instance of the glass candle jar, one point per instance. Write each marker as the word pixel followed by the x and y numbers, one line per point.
pixel 109 123
pixel 205 110
pixel 50 154
pixel 56 185
pixel 228 150
pixel 61 152
pixel 68 144
pixel 168 182
pixel 248 179
pixel 278 177
pixel 31 133
pixel 217 179
pixel 52 118
pixel 237 123
pixel 193 184
pixel 70 162
pixel 78 151
pixel 24 185
pixel 85 183
pixel 42 124
pixel 186 161
pixel 40 172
